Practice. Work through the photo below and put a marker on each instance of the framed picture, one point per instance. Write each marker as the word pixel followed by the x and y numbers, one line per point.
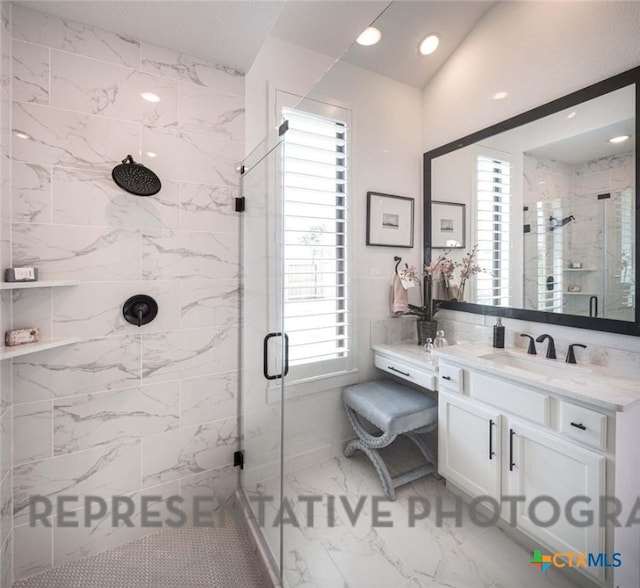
pixel 447 225
pixel 389 220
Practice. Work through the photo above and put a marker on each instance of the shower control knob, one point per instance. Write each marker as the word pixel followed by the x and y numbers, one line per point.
pixel 140 309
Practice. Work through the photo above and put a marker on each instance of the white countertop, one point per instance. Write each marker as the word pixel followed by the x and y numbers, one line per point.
pixel 409 353
pixel 603 387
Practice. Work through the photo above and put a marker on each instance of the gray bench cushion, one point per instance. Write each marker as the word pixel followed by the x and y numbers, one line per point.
pixel 390 406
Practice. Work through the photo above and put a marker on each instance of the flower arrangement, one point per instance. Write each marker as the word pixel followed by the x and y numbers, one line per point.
pixel 441 271
pixel 440 268
pixel 468 268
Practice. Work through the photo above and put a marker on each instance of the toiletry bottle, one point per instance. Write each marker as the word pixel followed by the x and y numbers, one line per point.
pixel 440 341
pixel 428 352
pixel 498 334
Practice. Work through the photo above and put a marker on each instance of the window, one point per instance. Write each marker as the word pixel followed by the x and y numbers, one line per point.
pixel 492 229
pixel 315 246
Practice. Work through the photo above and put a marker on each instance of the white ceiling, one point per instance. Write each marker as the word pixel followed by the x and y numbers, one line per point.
pixel 231 32
pixel 577 134
pixel 326 26
pixel 404 24
pixel 591 145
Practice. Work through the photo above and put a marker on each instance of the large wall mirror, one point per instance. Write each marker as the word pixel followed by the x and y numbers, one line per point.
pixel 551 202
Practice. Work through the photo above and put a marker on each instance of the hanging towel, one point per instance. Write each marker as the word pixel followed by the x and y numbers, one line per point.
pixel 399 297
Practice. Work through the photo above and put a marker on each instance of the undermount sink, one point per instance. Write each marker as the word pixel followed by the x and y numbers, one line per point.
pixel 536 364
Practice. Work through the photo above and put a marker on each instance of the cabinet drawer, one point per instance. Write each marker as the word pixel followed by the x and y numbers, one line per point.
pixel 583 424
pixel 451 378
pixel 510 397
pixel 406 371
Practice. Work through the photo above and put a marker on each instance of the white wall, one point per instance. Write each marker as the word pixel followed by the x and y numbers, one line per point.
pixel 279 65
pixel 536 51
pixel 327 30
pixel 385 157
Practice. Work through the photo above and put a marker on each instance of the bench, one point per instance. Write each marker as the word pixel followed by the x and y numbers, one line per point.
pixel 394 410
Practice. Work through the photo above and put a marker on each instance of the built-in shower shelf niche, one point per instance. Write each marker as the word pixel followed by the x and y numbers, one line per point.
pixel 27 348
pixel 39 284
pixel 580 294
pixel 580 269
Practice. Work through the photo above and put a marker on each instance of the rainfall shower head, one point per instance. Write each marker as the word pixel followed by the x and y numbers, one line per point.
pixel 135 178
pixel 558 224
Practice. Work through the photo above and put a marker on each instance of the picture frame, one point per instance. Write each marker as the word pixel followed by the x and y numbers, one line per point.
pixel 389 220
pixel 447 225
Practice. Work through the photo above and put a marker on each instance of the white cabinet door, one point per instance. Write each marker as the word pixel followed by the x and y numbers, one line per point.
pixel 540 464
pixel 469 445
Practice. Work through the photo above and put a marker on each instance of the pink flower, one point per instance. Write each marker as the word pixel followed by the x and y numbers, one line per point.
pixel 468 266
pixel 441 265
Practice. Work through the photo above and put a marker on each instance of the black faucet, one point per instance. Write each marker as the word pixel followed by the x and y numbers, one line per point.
pixel 532 344
pixel 551 348
pixel 571 356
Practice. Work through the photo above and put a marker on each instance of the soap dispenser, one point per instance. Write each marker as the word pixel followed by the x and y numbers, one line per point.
pixel 428 352
pixel 498 334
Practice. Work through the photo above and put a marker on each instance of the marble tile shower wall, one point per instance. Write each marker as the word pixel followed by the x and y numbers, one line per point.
pixel 127 410
pixel 572 189
pixel 6 524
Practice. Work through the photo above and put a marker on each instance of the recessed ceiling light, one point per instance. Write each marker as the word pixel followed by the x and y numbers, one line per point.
pixel 499 96
pixel 370 36
pixel 572 114
pixel 151 154
pixel 21 134
pixel 619 139
pixel 429 44
pixel 150 97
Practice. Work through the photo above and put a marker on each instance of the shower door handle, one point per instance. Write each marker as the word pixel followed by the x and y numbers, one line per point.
pixel 286 355
pixel 593 306
pixel 265 356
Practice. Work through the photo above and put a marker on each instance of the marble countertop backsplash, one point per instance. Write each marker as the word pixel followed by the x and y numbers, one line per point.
pixel 617 352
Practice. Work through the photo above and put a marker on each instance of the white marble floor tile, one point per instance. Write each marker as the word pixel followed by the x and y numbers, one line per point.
pixel 508 563
pixel 309 566
pixel 425 555
pixel 367 561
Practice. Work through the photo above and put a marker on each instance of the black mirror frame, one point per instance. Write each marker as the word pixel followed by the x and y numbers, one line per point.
pixel 616 82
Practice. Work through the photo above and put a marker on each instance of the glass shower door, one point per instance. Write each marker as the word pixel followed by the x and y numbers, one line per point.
pixel 263 345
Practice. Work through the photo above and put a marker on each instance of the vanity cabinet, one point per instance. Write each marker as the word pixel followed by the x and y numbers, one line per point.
pixel 566 432
pixel 468 445
pixel 541 464
pixel 497 438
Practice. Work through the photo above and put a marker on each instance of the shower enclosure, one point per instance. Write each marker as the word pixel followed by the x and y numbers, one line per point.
pixel 293 290
pixel 263 343
pixel 579 255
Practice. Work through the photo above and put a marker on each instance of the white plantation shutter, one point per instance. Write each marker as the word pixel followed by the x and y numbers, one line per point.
pixel 492 229
pixel 315 247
